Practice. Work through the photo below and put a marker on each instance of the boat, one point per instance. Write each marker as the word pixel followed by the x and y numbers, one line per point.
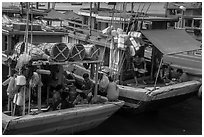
pixel 37 118
pixel 142 97
pixel 67 121
pixel 154 95
pixel 64 121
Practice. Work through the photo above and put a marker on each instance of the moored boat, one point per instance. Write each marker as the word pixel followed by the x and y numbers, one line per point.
pixel 62 114
pixel 66 121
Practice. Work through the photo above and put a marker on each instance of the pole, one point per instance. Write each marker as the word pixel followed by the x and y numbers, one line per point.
pixel 39 94
pixel 29 98
pixel 27 27
pixel 96 81
pixel 24 91
pixel 90 18
pixel 158 73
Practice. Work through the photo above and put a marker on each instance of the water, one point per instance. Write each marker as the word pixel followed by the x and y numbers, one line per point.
pixel 184 118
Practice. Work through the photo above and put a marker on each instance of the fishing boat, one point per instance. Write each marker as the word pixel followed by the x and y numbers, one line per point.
pixel 36 118
pixel 143 96
pixel 67 121
pixel 169 42
pixel 155 94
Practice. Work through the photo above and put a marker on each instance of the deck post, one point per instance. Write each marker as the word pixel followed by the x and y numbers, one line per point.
pixel 24 90
pixel 29 98
pixel 96 81
pixel 158 72
pixel 39 94
pixel 48 89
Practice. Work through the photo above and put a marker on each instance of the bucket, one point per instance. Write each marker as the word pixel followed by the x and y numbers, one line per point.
pixel 77 52
pixel 91 52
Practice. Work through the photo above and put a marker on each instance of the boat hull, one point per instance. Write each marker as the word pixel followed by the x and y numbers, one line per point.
pixel 144 100
pixel 67 121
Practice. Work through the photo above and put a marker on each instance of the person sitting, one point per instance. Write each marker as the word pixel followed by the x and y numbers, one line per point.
pixel 86 94
pixel 112 90
pixel 56 98
pixel 139 66
pixel 182 76
pixel 103 83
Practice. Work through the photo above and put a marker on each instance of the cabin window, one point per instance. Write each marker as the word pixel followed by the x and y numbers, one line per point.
pixel 198 23
pixel 86 20
pixel 179 11
pixel 99 25
pixel 106 24
pixel 188 22
pixel 172 12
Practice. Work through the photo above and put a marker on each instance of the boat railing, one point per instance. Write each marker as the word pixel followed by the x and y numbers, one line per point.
pixel 82 28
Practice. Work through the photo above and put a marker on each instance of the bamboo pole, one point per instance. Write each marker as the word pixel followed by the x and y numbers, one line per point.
pixel 27 27
pixel 96 81
pixel 158 73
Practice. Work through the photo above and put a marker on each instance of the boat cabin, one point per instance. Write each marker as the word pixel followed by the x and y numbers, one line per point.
pixel 155 47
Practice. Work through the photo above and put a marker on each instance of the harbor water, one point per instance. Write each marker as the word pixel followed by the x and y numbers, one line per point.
pixel 184 118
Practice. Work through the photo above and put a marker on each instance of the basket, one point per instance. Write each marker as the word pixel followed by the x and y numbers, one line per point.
pixel 77 52
pixel 59 52
pixel 91 52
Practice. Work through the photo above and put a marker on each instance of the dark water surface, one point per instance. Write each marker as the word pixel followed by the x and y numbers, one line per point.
pixel 184 118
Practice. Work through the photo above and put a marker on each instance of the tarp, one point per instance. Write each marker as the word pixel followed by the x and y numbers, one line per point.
pixel 54 15
pixel 172 41
pixel 72 16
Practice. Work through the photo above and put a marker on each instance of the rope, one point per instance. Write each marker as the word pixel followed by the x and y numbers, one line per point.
pixel 3 133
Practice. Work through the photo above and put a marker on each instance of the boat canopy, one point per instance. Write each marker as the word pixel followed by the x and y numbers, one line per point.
pixel 172 41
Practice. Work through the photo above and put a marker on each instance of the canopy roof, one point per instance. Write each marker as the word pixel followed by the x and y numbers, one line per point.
pixel 171 41
pixel 54 15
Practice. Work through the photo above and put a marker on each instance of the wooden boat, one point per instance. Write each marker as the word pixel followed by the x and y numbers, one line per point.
pixel 66 121
pixel 145 97
pixel 153 95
